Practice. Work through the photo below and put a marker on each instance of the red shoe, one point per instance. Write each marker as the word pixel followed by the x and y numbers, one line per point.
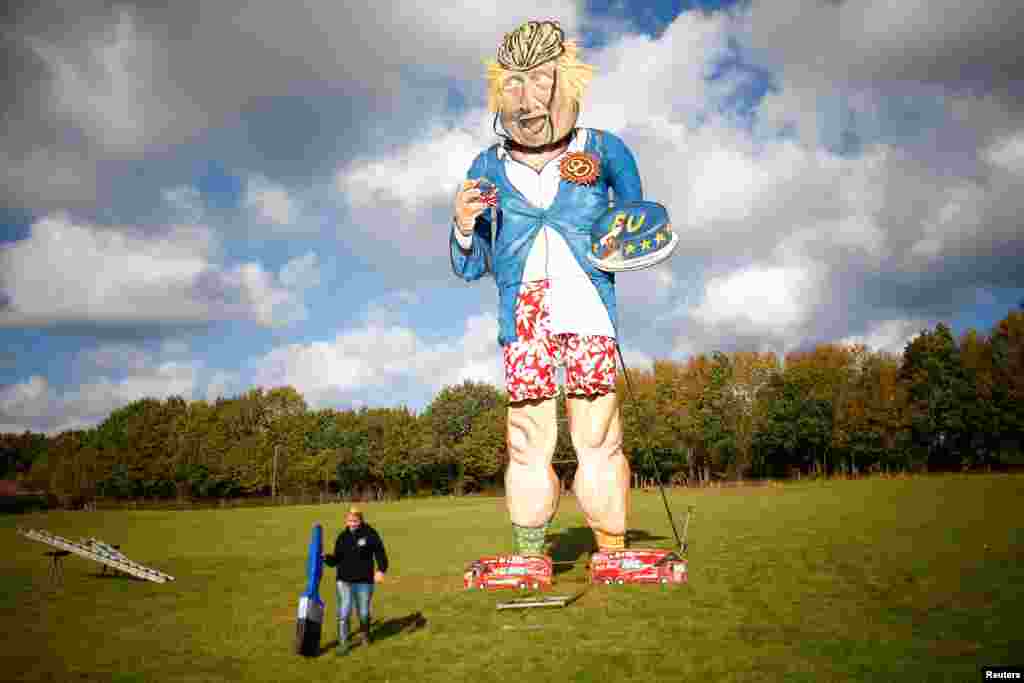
pixel 521 572
pixel 638 566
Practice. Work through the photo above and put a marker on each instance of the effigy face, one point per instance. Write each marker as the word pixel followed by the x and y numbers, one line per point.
pixel 536 107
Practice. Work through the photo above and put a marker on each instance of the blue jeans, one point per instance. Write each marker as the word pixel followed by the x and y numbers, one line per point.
pixel 362 594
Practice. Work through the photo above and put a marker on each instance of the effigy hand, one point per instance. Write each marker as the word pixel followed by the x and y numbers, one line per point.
pixel 470 201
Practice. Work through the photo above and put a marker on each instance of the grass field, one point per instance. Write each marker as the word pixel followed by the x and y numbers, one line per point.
pixel 872 580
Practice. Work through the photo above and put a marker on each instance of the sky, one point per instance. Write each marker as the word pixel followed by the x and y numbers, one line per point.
pixel 200 199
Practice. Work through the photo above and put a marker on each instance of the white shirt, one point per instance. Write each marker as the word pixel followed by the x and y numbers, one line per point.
pixel 574 303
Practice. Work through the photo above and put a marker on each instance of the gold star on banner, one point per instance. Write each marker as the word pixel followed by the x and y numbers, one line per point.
pixel 645 245
pixel 659 238
pixel 630 248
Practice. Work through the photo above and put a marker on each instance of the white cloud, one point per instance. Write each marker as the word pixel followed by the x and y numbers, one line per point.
pixel 1007 152
pixel 27 400
pixel 956 219
pixel 404 199
pixel 767 298
pixel 639 79
pixel 425 171
pixel 891 336
pixel 37 406
pixel 46 171
pixel 260 297
pixel 270 202
pixel 725 187
pixel 123 82
pixel 878 41
pixel 67 271
pixel 376 358
pixel 662 87
pixel 223 384
pixel 108 84
pixel 878 70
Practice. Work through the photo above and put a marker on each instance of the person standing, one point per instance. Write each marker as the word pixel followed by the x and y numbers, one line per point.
pixel 355 552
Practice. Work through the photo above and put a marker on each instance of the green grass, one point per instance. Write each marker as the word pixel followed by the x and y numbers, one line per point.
pixel 872 580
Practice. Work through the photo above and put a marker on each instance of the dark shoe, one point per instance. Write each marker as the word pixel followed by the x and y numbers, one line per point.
pixel 366 634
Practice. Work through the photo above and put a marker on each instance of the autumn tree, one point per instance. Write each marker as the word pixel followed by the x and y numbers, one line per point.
pixel 797 429
pixel 483 453
pixel 1008 386
pixel 323 442
pixel 874 415
pixel 349 437
pixel 716 415
pixel 653 437
pixel 689 383
pixel 196 467
pixel 19 451
pixel 937 388
pixel 448 420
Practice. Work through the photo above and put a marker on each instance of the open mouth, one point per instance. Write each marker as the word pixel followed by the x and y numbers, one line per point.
pixel 533 122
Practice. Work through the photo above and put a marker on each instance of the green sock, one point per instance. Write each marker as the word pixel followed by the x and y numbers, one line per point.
pixel 529 540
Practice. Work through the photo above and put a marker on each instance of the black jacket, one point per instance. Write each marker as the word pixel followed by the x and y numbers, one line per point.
pixel 354 554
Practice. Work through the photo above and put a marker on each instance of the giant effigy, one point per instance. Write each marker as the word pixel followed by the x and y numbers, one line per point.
pixel 552 212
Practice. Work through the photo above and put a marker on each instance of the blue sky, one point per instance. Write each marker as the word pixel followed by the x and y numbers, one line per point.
pixel 260 198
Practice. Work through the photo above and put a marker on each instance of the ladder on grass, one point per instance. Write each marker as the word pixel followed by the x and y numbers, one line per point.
pixel 98 551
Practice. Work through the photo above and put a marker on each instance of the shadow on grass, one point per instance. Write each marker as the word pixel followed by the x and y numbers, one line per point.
pixel 116 575
pixel 570 546
pixel 576 544
pixel 379 631
pixel 639 537
pixel 393 627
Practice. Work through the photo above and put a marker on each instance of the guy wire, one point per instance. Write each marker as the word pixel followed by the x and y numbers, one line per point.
pixel 654 462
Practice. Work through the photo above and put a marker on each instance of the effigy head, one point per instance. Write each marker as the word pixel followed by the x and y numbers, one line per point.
pixel 536 83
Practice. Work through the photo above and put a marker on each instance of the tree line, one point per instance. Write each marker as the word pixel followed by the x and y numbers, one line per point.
pixel 943 404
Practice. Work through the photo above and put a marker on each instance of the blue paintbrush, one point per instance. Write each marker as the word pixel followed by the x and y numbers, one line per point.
pixel 311 607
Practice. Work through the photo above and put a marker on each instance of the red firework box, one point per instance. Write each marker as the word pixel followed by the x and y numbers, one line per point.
pixel 488 192
pixel 637 566
pixel 509 571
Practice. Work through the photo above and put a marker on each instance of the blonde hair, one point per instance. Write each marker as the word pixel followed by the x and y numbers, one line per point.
pixel 574 75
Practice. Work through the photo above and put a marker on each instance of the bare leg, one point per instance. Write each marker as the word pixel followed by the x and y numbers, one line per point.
pixel 531 486
pixel 602 478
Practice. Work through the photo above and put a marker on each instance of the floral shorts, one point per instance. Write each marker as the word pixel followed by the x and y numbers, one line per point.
pixel 531 361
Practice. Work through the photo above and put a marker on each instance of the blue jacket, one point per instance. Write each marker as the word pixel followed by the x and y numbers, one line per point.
pixel 575 209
